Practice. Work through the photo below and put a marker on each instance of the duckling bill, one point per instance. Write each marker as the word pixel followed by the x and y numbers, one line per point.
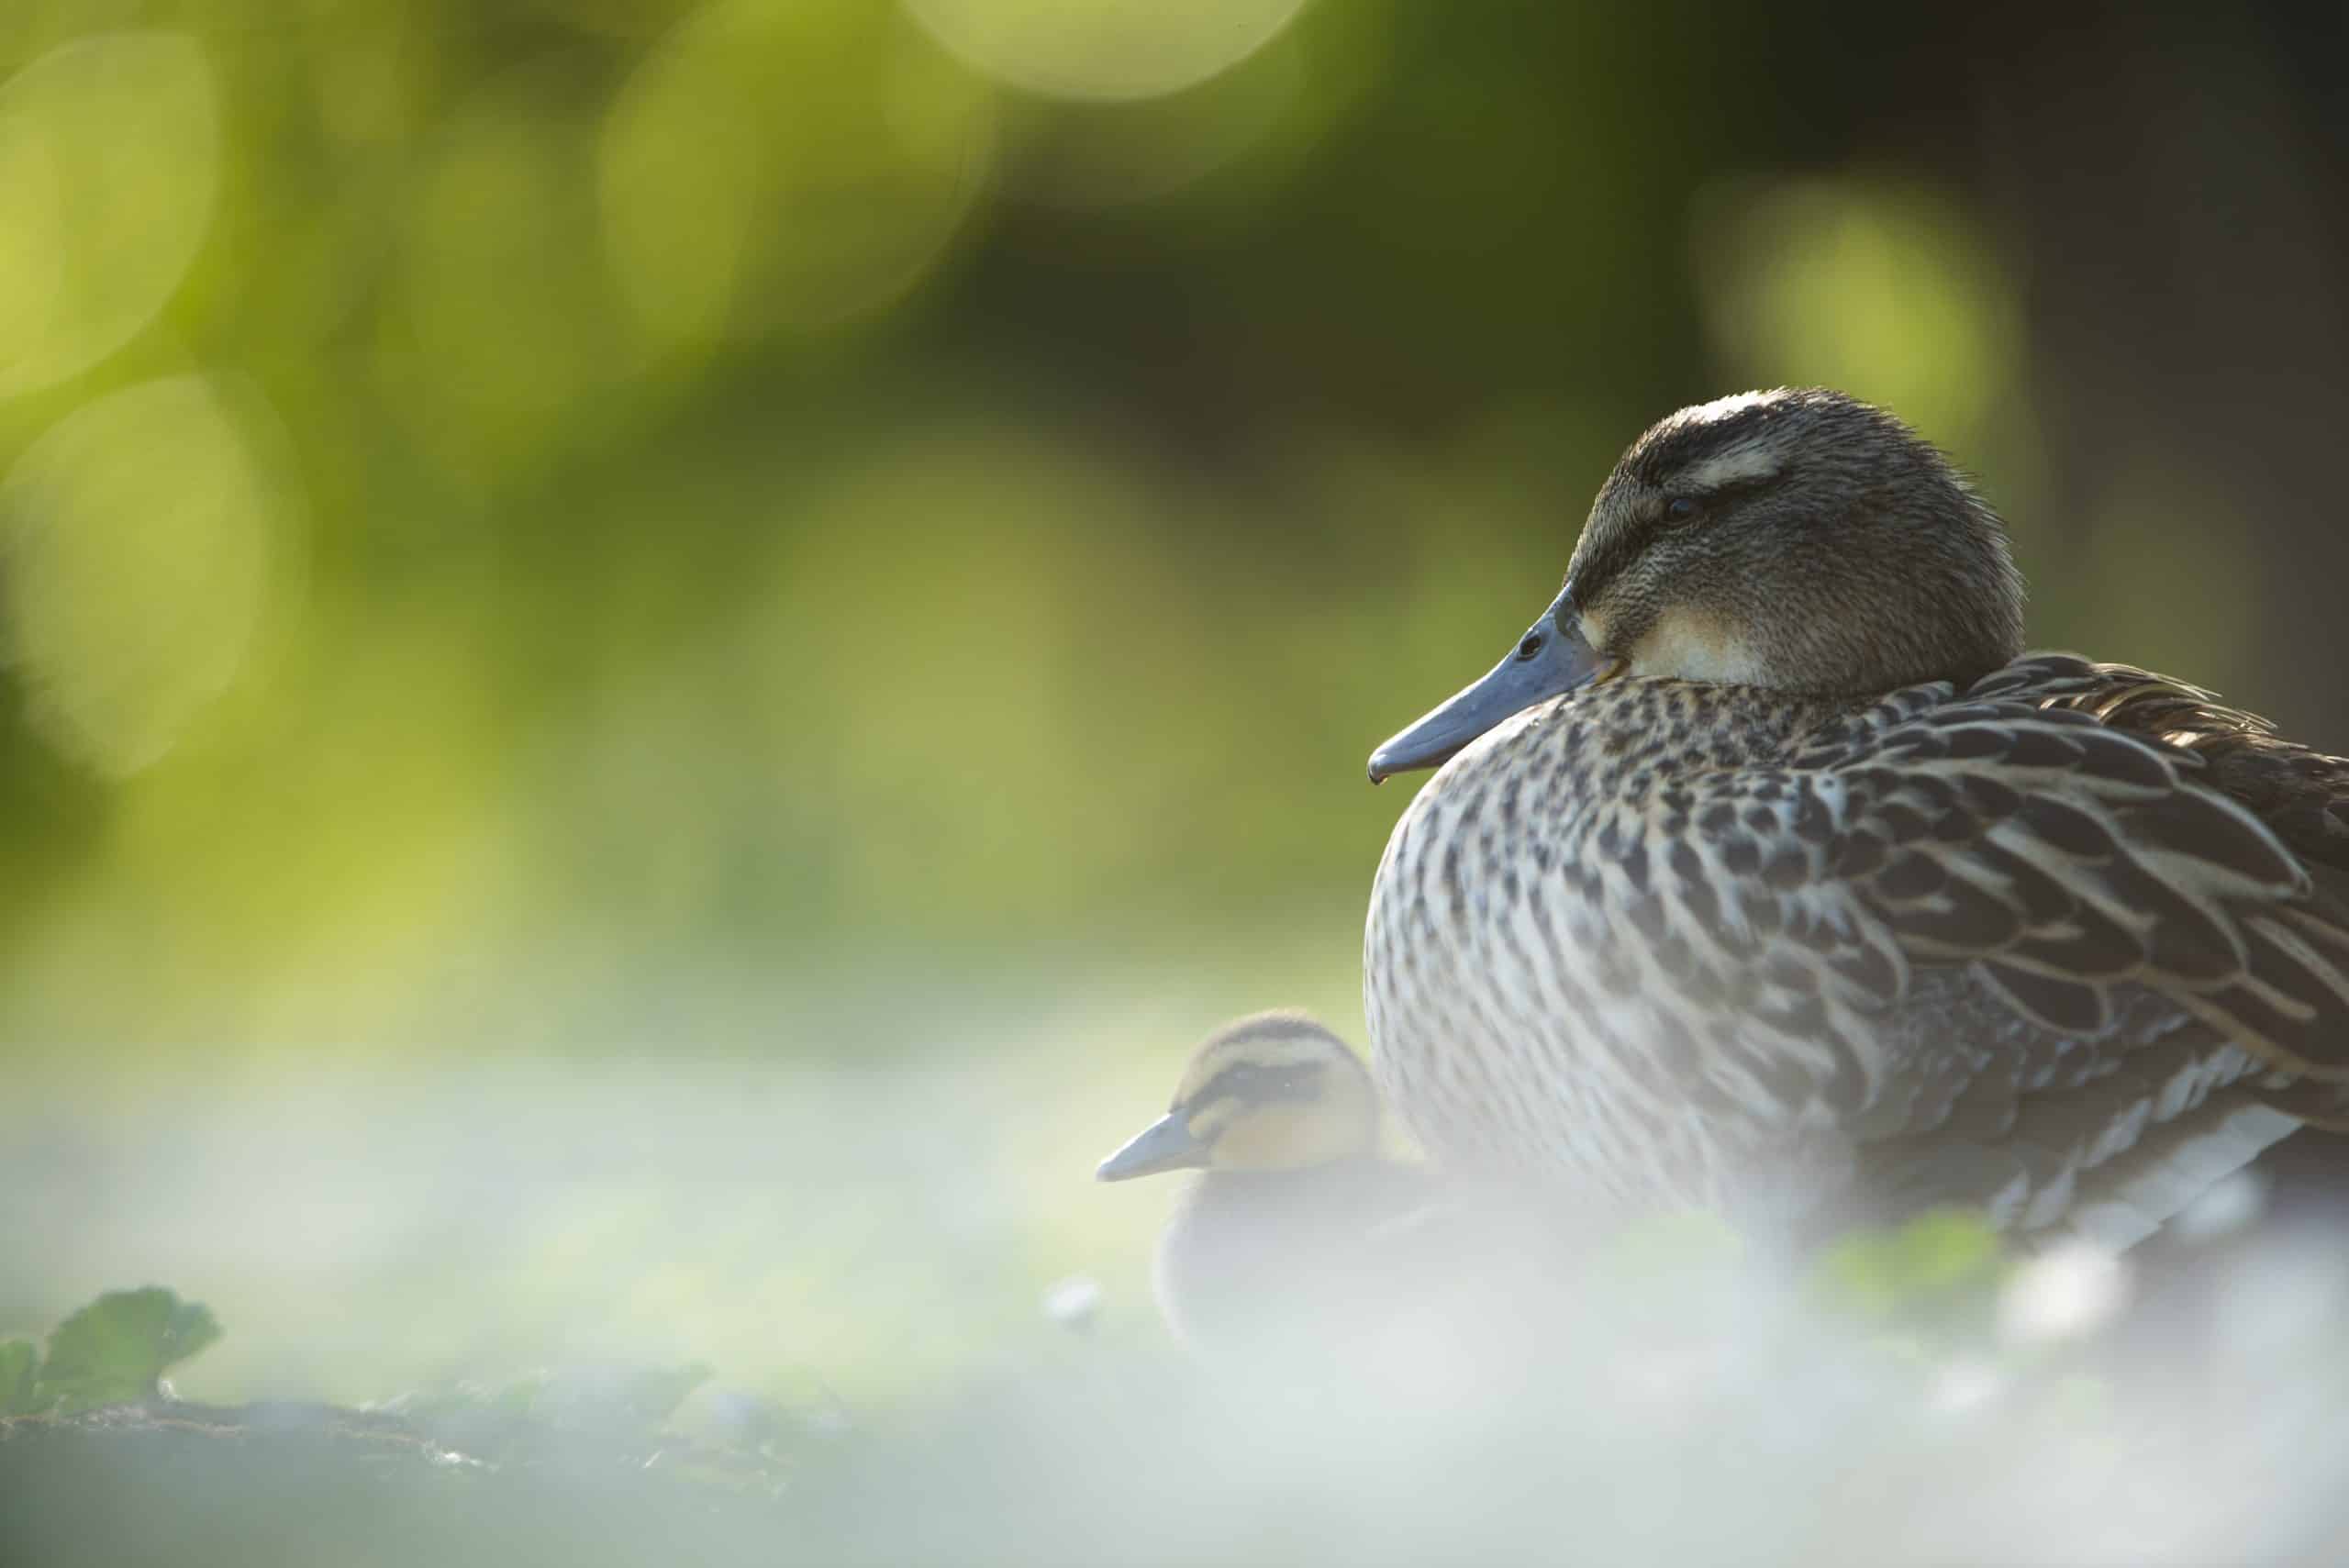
pixel 1165 1145
pixel 1276 1245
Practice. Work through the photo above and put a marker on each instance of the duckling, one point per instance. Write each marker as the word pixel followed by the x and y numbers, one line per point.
pixel 1284 1236
pixel 1766 874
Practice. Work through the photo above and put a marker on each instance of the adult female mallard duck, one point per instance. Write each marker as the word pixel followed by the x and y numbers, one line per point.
pixel 1767 874
pixel 1284 1236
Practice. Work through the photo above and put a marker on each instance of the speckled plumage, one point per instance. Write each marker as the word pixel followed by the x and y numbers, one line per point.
pixel 2045 936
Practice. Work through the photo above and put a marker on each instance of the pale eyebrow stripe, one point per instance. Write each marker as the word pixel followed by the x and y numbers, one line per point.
pixel 1742 464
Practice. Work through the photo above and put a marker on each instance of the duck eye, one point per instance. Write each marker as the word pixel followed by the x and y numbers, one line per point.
pixel 1530 645
pixel 1679 509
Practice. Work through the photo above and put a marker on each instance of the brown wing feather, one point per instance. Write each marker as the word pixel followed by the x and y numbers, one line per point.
pixel 2300 794
pixel 2018 830
pixel 2031 938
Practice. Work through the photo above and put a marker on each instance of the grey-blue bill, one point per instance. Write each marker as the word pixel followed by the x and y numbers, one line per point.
pixel 1550 660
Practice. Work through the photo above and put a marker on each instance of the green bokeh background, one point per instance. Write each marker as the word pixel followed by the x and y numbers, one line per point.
pixel 663 657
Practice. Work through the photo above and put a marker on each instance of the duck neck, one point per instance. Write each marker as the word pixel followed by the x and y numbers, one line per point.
pixel 1249 1185
pixel 1635 735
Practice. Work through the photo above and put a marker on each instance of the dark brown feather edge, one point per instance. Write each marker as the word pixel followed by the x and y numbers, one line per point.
pixel 2128 764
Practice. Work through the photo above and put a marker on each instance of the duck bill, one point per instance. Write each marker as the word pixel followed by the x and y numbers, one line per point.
pixel 1165 1144
pixel 1550 660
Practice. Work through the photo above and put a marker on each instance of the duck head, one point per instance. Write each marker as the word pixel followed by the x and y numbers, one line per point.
pixel 1800 540
pixel 1273 1092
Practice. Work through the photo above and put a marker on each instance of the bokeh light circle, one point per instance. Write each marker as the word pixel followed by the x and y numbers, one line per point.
pixel 502 333
pixel 1103 49
pixel 1887 288
pixel 785 167
pixel 109 159
pixel 134 557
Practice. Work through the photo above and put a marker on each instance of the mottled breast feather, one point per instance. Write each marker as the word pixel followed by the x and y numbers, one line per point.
pixel 1721 946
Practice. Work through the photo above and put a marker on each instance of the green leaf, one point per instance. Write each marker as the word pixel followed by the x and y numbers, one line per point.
pixel 1942 1264
pixel 18 1358
pixel 115 1351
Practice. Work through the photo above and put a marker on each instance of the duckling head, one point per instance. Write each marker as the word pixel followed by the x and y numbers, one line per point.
pixel 1273 1092
pixel 1798 540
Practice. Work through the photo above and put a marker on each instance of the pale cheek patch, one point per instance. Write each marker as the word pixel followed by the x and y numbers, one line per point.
pixel 1259 1143
pixel 1208 1123
pixel 1687 645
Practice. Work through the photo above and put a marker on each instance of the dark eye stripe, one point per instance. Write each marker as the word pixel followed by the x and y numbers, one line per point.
pixel 1618 549
pixel 1255 1083
pixel 1615 552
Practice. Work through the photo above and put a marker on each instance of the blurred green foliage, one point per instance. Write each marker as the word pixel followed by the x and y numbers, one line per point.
pixel 1939 1272
pixel 19 1359
pixel 506 505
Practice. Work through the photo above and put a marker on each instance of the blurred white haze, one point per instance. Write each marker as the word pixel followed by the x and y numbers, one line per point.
pixel 1911 1401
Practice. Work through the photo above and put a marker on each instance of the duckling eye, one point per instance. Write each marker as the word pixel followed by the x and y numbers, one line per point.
pixel 1530 645
pixel 1680 509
